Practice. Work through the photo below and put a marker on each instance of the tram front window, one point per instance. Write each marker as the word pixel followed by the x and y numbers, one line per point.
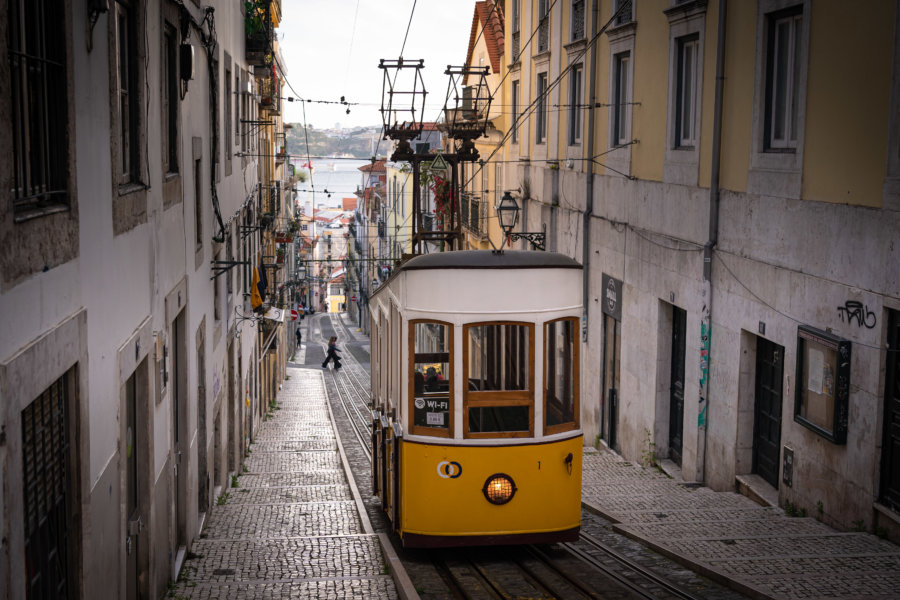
pixel 499 360
pixel 430 377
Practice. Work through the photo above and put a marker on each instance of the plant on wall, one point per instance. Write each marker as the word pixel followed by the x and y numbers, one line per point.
pixel 255 16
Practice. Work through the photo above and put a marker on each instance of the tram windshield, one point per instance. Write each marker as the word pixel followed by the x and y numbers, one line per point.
pixel 499 376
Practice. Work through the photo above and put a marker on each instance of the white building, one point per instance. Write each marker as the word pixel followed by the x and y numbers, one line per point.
pixel 128 387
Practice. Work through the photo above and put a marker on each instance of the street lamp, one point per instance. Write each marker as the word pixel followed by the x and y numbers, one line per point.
pixel 508 214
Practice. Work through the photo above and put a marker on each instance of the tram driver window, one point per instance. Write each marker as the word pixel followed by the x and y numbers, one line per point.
pixel 499 359
pixel 561 376
pixel 430 377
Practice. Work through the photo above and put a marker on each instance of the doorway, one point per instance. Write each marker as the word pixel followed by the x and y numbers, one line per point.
pixel 767 411
pixel 889 494
pixel 137 482
pixel 180 426
pixel 676 385
pixel 612 349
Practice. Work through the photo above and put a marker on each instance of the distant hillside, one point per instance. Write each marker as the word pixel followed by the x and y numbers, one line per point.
pixel 358 142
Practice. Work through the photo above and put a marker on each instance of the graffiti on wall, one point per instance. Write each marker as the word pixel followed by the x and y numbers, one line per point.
pixel 853 309
pixel 704 368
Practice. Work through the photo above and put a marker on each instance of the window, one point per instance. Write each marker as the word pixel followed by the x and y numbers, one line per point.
pixel 575 94
pixel 516 38
pixel 37 76
pixel 217 295
pixel 620 99
pixel 170 96
pixel 198 206
pixel 431 377
pixel 514 97
pixel 541 117
pixel 237 106
pixel 783 80
pixel 823 383
pixel 226 122
pixel 127 81
pixel 626 16
pixel 686 92
pixel 499 365
pixel 543 26
pixel 561 372
pixel 577 20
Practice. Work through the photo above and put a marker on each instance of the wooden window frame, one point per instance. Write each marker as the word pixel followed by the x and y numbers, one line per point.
pixel 576 379
pixel 498 398
pixel 414 429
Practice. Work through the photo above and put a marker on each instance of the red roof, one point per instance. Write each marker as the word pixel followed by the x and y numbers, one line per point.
pixel 378 165
pixel 485 12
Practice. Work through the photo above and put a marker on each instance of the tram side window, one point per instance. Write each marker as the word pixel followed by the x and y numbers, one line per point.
pixel 561 362
pixel 499 376
pixel 430 378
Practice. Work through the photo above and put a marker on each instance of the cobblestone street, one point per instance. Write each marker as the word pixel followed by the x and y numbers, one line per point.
pixel 289 525
pixel 731 539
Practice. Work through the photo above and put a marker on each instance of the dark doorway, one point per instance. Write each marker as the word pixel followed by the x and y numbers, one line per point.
pixel 890 450
pixel 47 487
pixel 612 348
pixel 676 385
pixel 767 419
pixel 180 425
pixel 135 452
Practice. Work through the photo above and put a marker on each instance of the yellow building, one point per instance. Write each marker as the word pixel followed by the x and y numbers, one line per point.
pixel 729 175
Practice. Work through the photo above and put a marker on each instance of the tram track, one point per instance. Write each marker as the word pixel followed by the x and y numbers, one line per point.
pixel 587 569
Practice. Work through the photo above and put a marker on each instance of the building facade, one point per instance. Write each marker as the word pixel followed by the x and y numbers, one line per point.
pixel 142 196
pixel 728 176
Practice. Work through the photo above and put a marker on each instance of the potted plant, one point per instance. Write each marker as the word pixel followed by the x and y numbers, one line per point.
pixel 279 255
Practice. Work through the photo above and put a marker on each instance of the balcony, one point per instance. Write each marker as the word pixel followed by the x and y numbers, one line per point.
pixel 269 91
pixel 260 31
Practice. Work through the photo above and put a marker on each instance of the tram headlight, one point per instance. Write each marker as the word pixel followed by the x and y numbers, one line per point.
pixel 499 488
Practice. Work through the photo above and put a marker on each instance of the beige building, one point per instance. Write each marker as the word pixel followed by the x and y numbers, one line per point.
pixel 739 240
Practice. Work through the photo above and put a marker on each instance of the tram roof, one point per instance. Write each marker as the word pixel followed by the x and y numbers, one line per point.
pixel 488 259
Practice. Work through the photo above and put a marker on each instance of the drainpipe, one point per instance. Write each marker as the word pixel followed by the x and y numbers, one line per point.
pixel 588 162
pixel 706 312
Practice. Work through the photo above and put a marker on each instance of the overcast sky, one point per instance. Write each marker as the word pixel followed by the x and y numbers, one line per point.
pixel 331 48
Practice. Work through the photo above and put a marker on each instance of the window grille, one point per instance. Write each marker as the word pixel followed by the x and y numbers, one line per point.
pixel 37 64
pixel 46 486
pixel 577 19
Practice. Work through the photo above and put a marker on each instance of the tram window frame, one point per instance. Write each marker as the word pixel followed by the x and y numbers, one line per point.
pixel 498 398
pixel 574 375
pixel 434 431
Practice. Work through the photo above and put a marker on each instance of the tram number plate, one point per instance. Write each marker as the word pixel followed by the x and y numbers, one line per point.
pixel 435 418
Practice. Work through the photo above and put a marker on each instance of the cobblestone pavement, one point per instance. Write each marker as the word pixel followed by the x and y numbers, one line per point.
pixel 759 551
pixel 289 527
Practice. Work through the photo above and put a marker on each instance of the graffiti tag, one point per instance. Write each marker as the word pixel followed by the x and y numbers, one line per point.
pixel 856 310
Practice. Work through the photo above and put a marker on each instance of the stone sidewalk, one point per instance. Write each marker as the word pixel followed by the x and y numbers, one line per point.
pixel 291 525
pixel 729 538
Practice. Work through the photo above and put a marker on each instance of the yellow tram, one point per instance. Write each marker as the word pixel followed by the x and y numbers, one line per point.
pixel 476 431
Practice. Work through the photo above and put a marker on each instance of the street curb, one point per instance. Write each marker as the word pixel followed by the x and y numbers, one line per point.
pixel 405 588
pixel 699 567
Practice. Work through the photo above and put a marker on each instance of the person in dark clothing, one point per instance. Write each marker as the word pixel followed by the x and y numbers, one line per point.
pixel 299 336
pixel 332 354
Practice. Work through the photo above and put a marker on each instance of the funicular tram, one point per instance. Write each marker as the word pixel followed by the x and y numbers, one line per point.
pixel 476 430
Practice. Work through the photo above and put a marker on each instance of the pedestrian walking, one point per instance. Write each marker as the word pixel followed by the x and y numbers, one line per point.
pixel 332 354
pixel 299 336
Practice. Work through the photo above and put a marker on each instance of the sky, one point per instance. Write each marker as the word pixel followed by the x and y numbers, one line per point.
pixel 332 48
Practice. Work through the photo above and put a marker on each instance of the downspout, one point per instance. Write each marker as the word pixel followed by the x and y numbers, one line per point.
pixel 706 313
pixel 588 162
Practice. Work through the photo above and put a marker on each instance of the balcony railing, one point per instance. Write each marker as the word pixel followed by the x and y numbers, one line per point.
pixel 269 91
